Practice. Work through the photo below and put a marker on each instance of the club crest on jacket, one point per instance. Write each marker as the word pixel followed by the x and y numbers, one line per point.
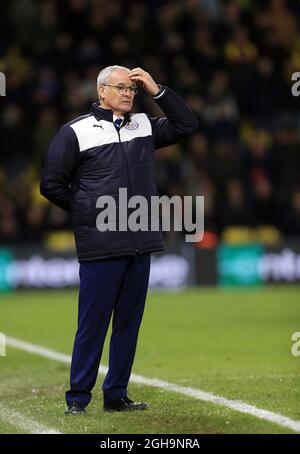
pixel 132 125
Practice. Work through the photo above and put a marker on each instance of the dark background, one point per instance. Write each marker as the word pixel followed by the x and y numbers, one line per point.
pixel 232 61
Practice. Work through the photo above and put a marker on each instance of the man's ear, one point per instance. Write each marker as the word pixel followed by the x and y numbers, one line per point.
pixel 101 92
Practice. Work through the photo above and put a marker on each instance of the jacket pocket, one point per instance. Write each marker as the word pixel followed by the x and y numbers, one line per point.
pixel 81 212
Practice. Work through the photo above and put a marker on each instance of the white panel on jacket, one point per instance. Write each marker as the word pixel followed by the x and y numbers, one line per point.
pixel 92 133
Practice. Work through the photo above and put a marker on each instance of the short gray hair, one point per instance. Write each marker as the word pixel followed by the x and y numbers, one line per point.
pixel 105 73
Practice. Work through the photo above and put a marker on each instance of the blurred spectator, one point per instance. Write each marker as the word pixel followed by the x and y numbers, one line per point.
pixel 264 204
pixel 257 157
pixel 290 224
pixel 234 209
pixel 220 112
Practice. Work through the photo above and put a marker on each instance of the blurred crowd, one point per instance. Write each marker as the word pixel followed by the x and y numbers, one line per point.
pixel 231 61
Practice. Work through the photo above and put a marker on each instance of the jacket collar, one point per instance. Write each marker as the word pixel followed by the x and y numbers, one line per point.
pixel 106 114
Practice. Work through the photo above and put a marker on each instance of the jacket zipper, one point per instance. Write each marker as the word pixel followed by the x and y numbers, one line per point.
pixel 129 185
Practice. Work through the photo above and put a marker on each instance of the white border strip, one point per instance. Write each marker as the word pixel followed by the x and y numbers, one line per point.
pixel 237 405
pixel 27 424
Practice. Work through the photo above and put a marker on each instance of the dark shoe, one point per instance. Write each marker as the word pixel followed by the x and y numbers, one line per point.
pixel 124 404
pixel 75 408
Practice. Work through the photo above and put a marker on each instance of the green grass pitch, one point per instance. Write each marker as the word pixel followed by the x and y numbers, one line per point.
pixel 233 343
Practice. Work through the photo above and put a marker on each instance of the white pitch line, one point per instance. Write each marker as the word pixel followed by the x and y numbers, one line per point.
pixel 237 405
pixel 24 423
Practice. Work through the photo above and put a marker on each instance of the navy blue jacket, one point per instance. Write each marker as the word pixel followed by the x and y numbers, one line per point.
pixel 89 158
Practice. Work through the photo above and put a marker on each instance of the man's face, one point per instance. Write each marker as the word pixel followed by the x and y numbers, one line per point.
pixel 119 103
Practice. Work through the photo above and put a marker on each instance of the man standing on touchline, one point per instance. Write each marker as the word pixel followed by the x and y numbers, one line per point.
pixel 92 156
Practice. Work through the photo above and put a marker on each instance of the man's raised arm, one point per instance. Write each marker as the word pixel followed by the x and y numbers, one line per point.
pixel 179 121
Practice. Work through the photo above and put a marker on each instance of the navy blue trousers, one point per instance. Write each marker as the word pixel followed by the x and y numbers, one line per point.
pixel 115 286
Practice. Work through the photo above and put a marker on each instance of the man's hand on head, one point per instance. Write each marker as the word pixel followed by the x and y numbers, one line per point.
pixel 142 78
